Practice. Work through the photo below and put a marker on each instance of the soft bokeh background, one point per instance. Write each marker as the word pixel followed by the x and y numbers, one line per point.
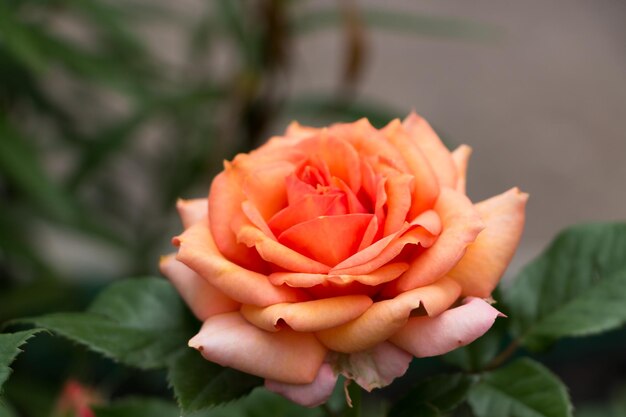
pixel 109 111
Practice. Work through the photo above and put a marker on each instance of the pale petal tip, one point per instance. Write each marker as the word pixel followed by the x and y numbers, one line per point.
pixel 519 194
pixel 194 343
pixel 465 149
pixel 165 261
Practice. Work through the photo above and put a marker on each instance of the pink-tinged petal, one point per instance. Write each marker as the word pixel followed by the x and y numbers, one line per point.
pixel 385 318
pixel 279 254
pixel 399 189
pixel 198 251
pixel 383 274
pixel 225 200
pixel 203 299
pixel 486 259
pixel 308 316
pixel 426 183
pixel 339 155
pixel 461 156
pixel 192 211
pixel 376 367
pixel 285 356
pixel 431 336
pixel 327 239
pixel 306 208
pixel 423 230
pixel 308 395
pixel 265 187
pixel 436 152
pixel 461 225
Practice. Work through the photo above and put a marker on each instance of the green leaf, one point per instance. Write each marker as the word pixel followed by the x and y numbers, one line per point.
pixel 575 288
pixel 140 322
pixel 200 384
pixel 262 403
pixel 10 344
pixel 402 22
pixel 134 407
pixel 433 397
pixel 524 388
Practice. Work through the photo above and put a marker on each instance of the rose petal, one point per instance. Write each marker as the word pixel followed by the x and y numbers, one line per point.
pixel 308 316
pixel 384 318
pixel 306 208
pixel 370 233
pixel 339 155
pixel 433 148
pixel 422 230
pixel 297 131
pixel 203 299
pixel 461 156
pixel 426 186
pixel 286 356
pixel 352 202
pixel 383 274
pixel 369 141
pixel 327 239
pixel 279 254
pixel 486 259
pixel 198 251
pixel 376 367
pixel 461 225
pixel 399 189
pixel 192 211
pixel 256 218
pixel 225 200
pixel 265 188
pixel 431 336
pixel 308 395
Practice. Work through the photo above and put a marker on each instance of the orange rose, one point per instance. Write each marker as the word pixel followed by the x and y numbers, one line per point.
pixel 342 250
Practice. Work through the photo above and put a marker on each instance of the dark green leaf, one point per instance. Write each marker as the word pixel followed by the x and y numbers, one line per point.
pixel 576 288
pixel 134 407
pixel 200 384
pixel 140 322
pixel 522 389
pixel 433 397
pixel 261 403
pixel 10 344
pixel 431 26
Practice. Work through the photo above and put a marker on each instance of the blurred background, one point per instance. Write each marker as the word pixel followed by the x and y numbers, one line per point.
pixel 111 110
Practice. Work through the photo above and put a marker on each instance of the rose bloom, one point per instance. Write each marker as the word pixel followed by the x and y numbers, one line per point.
pixel 343 250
